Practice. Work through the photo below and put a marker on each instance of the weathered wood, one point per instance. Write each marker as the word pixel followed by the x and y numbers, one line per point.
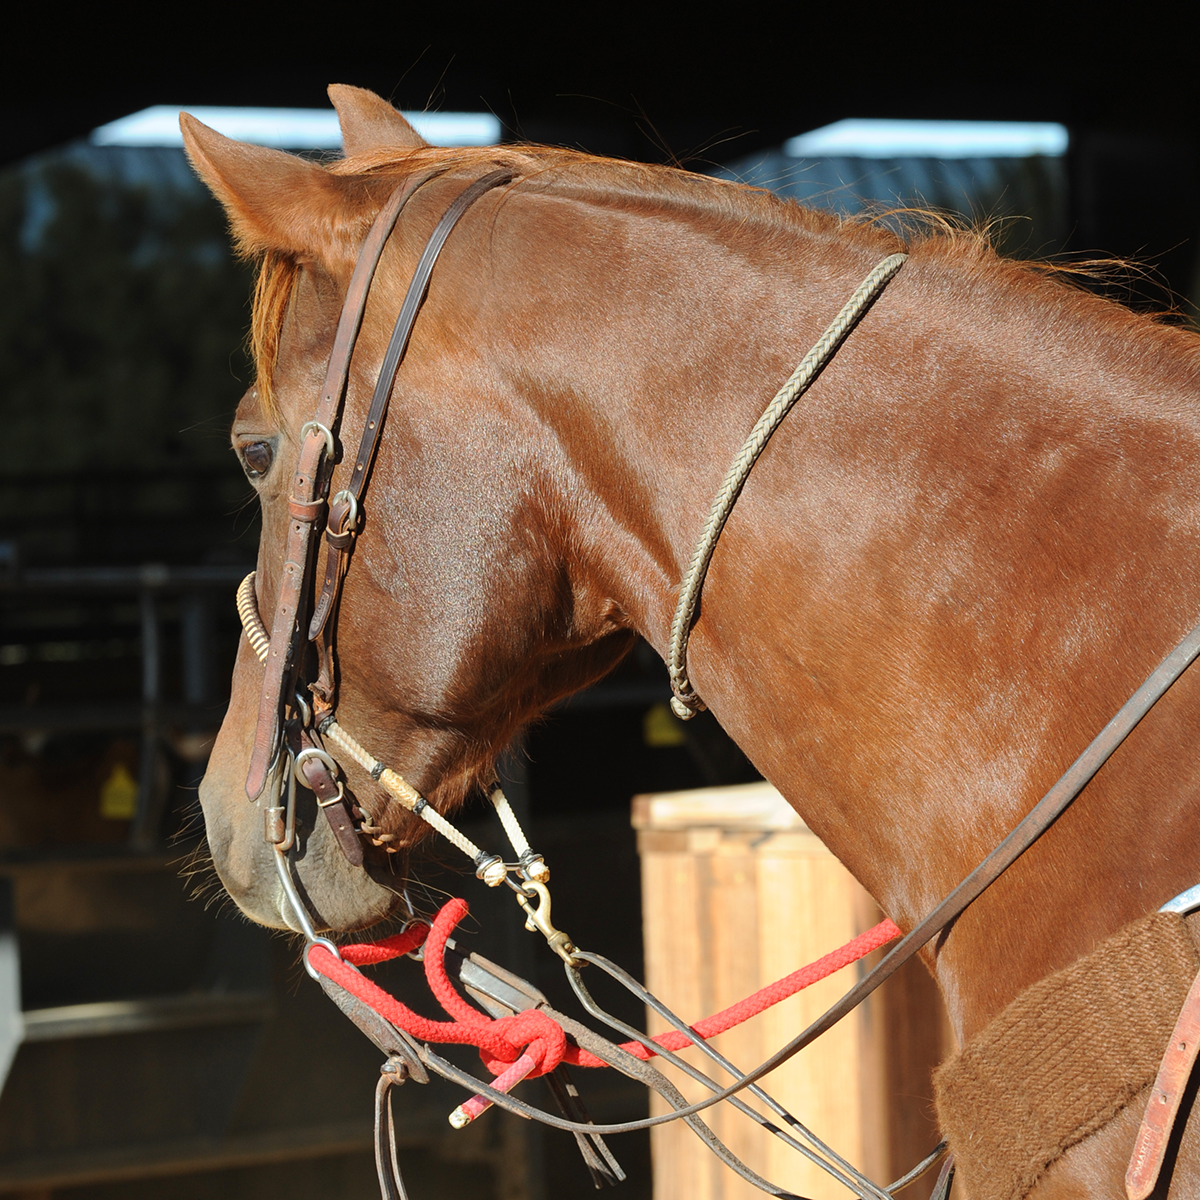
pixel 736 893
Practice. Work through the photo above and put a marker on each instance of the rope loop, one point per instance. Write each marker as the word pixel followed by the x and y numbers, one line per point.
pixel 501 1041
pixel 685 702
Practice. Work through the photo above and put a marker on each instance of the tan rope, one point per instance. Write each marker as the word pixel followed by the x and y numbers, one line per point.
pixel 493 870
pixel 508 818
pixel 532 866
pixel 685 703
pixel 247 607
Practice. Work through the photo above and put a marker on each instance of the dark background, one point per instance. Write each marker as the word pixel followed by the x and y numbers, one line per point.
pixel 639 79
pixel 665 82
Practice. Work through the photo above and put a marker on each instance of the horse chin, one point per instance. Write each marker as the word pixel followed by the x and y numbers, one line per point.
pixel 339 897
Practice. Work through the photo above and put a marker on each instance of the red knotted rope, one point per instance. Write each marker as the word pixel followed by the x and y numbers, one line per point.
pixel 502 1041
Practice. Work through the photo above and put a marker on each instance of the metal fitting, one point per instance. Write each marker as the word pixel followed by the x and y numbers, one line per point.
pixel 533 868
pixel 317 428
pixel 491 869
pixel 538 919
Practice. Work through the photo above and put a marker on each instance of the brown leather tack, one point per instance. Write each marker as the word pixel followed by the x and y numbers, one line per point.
pixel 305 483
pixel 306 510
pixel 336 807
pixel 1162 1107
pixel 1065 1057
pixel 309 482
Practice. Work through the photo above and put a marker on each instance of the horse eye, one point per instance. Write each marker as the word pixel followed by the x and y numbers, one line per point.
pixel 257 457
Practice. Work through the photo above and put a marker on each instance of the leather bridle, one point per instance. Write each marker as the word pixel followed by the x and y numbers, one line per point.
pixel 291 627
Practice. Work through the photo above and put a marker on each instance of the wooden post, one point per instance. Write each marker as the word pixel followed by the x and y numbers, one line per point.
pixel 736 893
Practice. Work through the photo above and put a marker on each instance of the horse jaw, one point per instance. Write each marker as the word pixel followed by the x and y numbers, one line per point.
pixel 370 123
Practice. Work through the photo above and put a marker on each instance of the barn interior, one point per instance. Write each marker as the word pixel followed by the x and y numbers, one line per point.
pixel 154 1043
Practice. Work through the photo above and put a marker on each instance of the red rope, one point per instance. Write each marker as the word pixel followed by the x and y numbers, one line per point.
pixel 502 1041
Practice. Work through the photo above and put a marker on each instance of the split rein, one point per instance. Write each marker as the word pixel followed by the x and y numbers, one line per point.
pixel 525 1037
pixel 289 747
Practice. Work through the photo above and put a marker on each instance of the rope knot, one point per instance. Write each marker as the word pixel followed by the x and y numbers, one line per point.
pixel 532 1033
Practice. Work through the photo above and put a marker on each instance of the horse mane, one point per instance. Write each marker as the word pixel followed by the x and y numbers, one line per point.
pixel 938 235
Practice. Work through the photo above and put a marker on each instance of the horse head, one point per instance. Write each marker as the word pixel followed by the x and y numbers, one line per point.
pixel 936 588
pixel 464 613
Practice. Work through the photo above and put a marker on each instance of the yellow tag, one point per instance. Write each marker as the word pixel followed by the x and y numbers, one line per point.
pixel 661 727
pixel 118 795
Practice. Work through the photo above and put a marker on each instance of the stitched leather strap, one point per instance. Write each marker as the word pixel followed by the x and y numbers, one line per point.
pixel 1163 1106
pixel 333 800
pixel 308 484
pixel 340 536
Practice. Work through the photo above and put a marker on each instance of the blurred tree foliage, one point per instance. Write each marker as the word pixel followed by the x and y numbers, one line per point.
pixel 122 356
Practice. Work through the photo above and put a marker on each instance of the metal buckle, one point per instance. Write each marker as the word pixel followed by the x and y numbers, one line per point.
pixel 351 521
pixel 329 764
pixel 316 427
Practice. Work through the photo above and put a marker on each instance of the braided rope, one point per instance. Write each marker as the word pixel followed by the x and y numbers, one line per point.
pixel 685 703
pixel 335 733
pixel 408 796
pixel 508 818
pixel 247 608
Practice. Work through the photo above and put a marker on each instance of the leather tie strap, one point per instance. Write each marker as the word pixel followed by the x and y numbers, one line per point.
pixel 1163 1106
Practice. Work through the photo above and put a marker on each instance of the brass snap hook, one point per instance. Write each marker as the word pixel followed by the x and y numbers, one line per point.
pixel 538 920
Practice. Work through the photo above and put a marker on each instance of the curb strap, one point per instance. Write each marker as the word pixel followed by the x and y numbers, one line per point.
pixel 318 772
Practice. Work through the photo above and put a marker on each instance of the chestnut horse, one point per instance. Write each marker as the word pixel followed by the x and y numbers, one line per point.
pixel 967 545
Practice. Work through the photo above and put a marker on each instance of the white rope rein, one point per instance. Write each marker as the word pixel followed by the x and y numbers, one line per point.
pixel 685 703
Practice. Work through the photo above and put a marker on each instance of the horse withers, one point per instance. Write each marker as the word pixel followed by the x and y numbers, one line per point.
pixel 953 562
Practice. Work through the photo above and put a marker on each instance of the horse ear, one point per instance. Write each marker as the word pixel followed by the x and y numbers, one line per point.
pixel 274 201
pixel 370 123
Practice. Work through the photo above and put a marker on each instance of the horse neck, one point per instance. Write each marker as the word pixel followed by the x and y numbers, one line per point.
pixel 934 589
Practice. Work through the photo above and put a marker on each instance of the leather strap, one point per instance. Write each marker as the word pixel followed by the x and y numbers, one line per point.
pixel 308 484
pixel 333 800
pixel 339 535
pixel 1163 1106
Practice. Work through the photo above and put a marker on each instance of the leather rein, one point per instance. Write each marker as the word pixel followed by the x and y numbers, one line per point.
pixel 291 722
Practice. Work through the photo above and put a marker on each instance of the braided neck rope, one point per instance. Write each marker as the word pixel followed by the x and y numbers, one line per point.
pixel 685 703
pixel 504 1040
